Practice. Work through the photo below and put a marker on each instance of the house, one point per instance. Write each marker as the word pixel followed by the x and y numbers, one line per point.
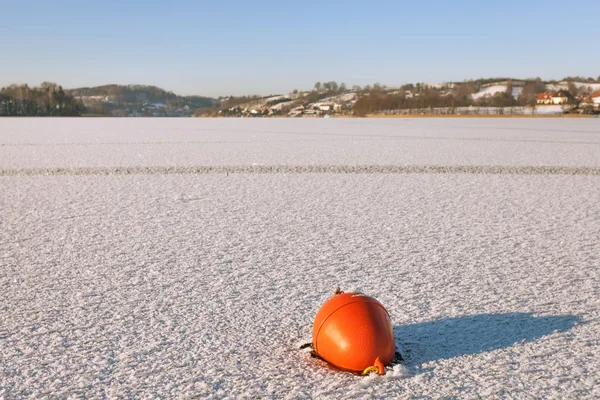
pixel 562 97
pixel 544 98
pixel 584 98
pixel 596 99
pixel 295 112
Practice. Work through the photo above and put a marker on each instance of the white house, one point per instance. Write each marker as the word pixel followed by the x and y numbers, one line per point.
pixel 562 97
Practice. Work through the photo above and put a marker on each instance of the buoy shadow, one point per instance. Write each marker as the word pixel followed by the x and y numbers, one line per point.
pixel 473 334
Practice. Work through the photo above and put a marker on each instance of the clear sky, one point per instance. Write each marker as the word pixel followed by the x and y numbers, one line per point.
pixel 224 47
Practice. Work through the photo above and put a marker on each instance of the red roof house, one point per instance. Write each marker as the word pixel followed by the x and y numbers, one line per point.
pixel 544 98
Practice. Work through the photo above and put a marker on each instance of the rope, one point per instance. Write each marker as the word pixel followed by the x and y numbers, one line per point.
pixel 378 367
pixel 369 370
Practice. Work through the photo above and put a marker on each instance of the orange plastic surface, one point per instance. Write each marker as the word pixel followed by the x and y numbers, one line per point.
pixel 352 330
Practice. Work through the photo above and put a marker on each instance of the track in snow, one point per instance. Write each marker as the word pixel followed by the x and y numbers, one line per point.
pixel 307 169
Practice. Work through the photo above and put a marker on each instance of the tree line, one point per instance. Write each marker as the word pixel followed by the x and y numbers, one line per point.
pixel 49 99
pixel 132 95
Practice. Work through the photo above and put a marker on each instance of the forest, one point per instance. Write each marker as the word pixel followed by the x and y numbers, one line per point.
pixel 49 99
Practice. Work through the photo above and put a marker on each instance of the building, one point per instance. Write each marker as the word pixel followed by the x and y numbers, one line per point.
pixel 584 98
pixel 562 97
pixel 596 99
pixel 544 98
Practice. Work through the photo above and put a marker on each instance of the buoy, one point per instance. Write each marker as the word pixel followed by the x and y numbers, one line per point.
pixel 353 331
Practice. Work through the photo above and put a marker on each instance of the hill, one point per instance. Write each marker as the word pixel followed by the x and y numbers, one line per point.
pixel 139 100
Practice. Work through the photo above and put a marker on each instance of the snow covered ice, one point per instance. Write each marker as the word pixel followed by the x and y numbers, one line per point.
pixel 132 266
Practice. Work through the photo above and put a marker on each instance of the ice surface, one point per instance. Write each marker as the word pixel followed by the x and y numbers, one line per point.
pixel 180 285
pixel 34 143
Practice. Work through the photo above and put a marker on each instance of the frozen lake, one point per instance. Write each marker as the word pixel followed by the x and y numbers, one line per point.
pixel 187 142
pixel 185 257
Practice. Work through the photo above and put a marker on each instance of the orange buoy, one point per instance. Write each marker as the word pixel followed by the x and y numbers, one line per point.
pixel 353 332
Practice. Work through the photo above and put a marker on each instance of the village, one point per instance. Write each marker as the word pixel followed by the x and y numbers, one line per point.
pixel 557 99
pixel 293 105
pixel 565 97
pixel 296 105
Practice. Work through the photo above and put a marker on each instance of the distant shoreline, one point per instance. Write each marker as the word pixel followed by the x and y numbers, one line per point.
pixel 398 116
pixel 480 116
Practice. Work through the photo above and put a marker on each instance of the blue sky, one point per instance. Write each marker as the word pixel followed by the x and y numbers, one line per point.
pixel 241 47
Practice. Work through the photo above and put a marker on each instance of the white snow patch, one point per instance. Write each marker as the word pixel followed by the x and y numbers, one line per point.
pixel 492 90
pixel 340 99
pixel 279 106
pixel 592 86
pixel 580 85
pixel 489 91
pixel 549 109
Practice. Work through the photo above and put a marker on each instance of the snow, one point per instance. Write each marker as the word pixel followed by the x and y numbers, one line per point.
pixel 157 282
pixel 517 90
pixel 340 99
pixel 580 85
pixel 274 98
pixel 551 87
pixel 492 90
pixel 548 109
pixel 593 86
pixel 279 106
pixel 188 142
pixel 489 91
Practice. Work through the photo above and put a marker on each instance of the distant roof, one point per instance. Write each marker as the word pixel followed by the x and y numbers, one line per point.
pixel 563 93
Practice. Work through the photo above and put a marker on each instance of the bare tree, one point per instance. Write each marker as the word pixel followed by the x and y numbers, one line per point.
pixel 572 88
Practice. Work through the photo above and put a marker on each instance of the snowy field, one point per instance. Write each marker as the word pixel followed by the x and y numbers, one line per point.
pixel 187 258
pixel 492 90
